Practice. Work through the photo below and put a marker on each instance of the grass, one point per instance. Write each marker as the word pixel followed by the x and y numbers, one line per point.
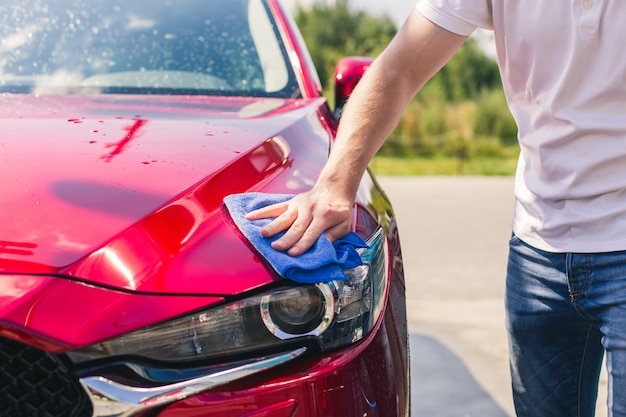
pixel 385 165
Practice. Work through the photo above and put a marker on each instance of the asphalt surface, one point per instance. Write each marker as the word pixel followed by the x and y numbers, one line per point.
pixel 454 233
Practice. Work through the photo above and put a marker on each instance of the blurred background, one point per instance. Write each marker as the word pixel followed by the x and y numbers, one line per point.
pixel 458 124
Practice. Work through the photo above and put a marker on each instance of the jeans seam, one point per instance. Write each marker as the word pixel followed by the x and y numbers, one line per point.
pixel 580 374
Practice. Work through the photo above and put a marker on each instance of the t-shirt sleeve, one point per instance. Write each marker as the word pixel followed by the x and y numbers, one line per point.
pixel 458 16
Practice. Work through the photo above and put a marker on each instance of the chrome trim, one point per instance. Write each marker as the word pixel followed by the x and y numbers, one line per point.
pixel 113 399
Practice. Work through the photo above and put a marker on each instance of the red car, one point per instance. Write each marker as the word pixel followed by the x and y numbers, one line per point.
pixel 123 289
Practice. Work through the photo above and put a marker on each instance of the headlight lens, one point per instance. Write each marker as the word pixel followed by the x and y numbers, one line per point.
pixel 331 315
pixel 300 311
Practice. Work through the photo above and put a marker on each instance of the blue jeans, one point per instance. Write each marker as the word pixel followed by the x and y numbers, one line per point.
pixel 564 311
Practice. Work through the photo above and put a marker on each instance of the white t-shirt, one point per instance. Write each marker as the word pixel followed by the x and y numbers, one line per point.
pixel 563 67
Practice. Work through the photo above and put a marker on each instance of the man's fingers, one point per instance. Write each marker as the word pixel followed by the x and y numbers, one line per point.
pixel 306 242
pixel 308 237
pixel 280 223
pixel 294 235
pixel 274 210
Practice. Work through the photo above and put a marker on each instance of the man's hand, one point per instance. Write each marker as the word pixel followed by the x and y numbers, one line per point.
pixel 306 217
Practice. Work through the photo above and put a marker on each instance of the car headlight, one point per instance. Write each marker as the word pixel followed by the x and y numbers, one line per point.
pixel 330 315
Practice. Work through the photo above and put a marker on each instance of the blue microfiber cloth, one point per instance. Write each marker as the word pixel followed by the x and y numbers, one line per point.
pixel 324 262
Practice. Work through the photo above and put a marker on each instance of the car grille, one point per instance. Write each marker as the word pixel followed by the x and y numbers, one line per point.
pixel 34 383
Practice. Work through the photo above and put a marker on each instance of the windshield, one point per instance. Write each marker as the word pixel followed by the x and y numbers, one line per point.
pixel 197 47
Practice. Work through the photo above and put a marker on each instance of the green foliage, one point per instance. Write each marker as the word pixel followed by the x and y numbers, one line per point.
pixel 463 129
pixel 492 117
pixel 465 76
pixel 332 32
pixel 385 165
pixel 459 115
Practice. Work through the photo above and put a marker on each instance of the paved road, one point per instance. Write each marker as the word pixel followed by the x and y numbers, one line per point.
pixel 454 233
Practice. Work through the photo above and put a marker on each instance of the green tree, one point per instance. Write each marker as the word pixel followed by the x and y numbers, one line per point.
pixel 465 76
pixel 332 32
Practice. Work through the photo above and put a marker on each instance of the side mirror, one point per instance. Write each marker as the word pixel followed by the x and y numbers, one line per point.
pixel 348 72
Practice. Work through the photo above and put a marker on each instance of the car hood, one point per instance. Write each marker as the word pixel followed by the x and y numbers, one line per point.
pixel 125 192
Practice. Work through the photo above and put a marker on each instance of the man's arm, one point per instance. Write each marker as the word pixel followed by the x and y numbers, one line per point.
pixel 415 54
